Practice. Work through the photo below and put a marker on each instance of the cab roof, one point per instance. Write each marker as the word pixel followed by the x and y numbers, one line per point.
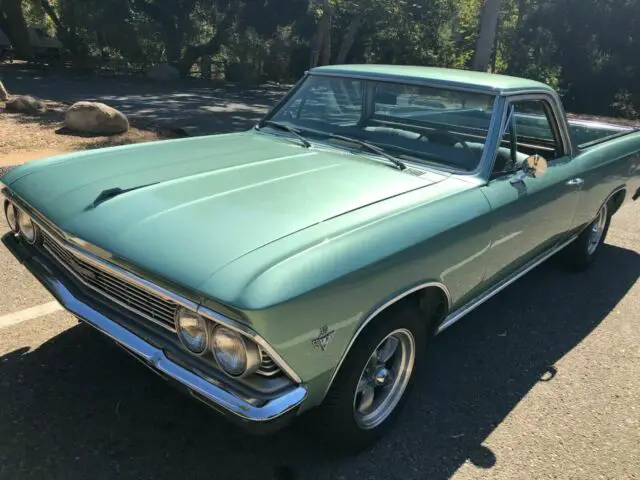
pixel 480 81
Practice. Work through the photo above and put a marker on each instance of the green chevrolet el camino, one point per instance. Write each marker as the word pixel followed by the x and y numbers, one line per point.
pixel 304 265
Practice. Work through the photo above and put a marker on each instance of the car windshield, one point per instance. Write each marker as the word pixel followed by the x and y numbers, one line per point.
pixel 435 125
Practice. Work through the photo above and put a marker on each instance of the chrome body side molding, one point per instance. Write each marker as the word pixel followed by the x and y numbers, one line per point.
pixel 458 314
pixel 453 317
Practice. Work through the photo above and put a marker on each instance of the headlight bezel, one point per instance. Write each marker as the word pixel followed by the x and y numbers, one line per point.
pixel 21 231
pixel 207 331
pixel 251 350
pixel 8 205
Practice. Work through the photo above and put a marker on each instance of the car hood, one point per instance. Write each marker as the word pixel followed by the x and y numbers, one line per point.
pixel 187 208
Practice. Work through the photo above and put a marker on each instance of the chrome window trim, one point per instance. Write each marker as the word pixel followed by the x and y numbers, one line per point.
pixel 559 118
pixel 377 312
pixel 409 80
pixel 157 290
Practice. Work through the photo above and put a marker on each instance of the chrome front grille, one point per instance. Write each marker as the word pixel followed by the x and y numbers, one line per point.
pixel 139 300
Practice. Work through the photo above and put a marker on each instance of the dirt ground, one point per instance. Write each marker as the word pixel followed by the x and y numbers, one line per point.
pixel 28 137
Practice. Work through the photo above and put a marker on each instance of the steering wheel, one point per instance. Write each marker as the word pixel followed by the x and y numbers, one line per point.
pixel 448 139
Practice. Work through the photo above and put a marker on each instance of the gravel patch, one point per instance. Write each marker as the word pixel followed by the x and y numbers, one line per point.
pixel 6 169
pixel 25 134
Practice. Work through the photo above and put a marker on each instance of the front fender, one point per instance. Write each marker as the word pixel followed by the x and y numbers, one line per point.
pixel 360 273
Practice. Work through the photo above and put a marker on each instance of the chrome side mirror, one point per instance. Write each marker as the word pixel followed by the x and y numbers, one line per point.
pixel 535 166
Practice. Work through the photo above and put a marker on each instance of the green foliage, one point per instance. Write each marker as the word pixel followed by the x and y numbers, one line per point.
pixel 36 16
pixel 586 49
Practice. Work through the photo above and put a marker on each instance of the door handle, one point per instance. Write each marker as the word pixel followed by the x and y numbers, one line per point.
pixel 575 182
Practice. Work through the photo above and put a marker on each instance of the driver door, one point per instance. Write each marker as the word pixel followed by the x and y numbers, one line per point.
pixel 529 215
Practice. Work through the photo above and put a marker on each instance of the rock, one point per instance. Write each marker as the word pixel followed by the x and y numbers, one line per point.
pixel 95 118
pixel 4 95
pixel 163 72
pixel 25 104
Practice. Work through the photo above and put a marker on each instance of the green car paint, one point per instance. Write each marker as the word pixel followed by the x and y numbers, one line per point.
pixel 299 242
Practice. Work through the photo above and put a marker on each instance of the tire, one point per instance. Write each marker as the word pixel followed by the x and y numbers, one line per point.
pixel 340 426
pixel 584 250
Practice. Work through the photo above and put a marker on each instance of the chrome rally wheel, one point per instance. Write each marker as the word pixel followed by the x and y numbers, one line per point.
pixel 596 230
pixel 375 380
pixel 583 251
pixel 384 379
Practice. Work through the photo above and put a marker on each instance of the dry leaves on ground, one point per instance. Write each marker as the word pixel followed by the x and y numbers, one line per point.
pixel 26 137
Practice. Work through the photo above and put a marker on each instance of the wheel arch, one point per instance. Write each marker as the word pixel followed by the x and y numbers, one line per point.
pixel 616 198
pixel 420 295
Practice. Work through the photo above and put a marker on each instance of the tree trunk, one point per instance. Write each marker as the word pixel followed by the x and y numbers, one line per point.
pixel 349 38
pixel 512 53
pixel 496 45
pixel 486 36
pixel 193 53
pixel 321 45
pixel 48 9
pixel 70 40
pixel 325 52
pixel 14 25
pixel 173 44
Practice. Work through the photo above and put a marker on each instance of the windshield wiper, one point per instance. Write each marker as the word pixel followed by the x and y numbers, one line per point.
pixel 287 128
pixel 371 148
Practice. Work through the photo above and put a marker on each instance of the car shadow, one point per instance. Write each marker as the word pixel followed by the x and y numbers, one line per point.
pixel 77 407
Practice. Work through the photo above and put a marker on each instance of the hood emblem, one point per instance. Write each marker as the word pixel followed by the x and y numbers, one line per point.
pixel 324 338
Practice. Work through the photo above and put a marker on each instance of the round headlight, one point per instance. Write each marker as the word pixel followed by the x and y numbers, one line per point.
pixel 235 355
pixel 11 215
pixel 28 229
pixel 193 331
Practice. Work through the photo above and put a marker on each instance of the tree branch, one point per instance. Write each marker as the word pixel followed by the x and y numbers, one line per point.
pixel 48 9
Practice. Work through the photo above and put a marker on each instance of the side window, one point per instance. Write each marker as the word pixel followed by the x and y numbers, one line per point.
pixel 531 130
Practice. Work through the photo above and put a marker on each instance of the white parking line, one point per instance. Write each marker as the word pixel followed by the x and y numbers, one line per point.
pixel 29 314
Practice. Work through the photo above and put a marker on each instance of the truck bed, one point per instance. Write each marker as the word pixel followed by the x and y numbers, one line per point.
pixel 588 133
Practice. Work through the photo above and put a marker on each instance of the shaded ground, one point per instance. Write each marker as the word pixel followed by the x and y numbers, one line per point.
pixel 529 386
pixel 186 103
pixel 526 387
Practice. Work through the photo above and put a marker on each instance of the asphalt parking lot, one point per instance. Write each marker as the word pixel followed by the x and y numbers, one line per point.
pixel 543 381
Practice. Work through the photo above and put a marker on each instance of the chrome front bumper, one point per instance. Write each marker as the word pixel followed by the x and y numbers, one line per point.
pixel 270 415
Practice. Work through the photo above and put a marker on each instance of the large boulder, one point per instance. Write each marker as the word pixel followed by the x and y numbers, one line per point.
pixel 4 95
pixel 163 72
pixel 25 104
pixel 95 118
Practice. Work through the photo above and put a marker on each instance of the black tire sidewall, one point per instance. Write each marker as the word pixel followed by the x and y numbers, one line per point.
pixel 579 255
pixel 335 416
